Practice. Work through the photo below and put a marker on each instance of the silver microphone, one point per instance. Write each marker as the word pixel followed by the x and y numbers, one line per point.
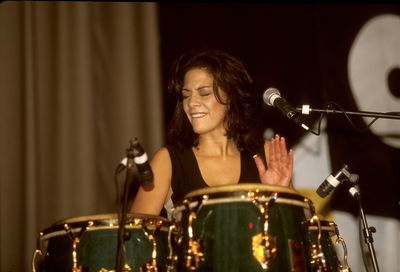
pixel 272 97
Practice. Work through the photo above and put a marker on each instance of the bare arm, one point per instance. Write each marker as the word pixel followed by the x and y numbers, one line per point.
pixel 280 163
pixel 151 201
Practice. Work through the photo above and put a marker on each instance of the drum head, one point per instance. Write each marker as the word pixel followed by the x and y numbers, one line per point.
pixel 245 192
pixel 253 187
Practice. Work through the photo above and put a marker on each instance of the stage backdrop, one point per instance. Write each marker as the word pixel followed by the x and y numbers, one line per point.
pixel 316 54
pixel 79 79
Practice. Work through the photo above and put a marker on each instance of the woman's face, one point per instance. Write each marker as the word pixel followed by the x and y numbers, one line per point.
pixel 201 106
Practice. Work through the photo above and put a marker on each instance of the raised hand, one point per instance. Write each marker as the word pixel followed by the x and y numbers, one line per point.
pixel 279 161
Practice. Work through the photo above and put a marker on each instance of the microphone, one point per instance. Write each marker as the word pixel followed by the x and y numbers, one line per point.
pixel 331 182
pixel 272 97
pixel 140 159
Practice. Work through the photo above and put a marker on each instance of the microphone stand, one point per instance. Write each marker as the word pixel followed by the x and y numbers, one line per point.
pixel 122 235
pixel 367 231
pixel 306 110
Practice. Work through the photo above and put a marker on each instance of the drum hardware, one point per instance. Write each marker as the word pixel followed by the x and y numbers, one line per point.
pixel 172 258
pixel 318 261
pixel 126 268
pixel 310 206
pixel 76 240
pixel 88 243
pixel 264 245
pixel 194 253
pixel 152 265
pixel 342 267
pixel 323 233
pixel 35 254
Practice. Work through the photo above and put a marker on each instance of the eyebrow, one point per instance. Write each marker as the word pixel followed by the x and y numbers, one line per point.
pixel 197 89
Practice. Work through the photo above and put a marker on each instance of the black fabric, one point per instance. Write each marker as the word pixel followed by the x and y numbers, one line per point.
pixel 186 175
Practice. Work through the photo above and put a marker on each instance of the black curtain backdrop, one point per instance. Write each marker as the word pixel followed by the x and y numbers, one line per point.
pixel 302 50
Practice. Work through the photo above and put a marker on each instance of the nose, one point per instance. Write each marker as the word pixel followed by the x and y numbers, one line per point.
pixel 194 100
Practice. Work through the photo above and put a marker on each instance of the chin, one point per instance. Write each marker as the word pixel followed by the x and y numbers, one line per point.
pixel 199 131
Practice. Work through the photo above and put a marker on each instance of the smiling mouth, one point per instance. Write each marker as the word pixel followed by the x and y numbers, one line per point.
pixel 198 115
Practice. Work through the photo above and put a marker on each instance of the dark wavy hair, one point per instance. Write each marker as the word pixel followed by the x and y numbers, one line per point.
pixel 230 75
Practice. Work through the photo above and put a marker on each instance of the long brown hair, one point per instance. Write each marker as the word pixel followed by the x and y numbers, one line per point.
pixel 230 75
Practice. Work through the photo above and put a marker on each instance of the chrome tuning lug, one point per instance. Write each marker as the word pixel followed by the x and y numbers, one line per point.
pixel 151 266
pixel 194 254
pixel 318 261
pixel 264 244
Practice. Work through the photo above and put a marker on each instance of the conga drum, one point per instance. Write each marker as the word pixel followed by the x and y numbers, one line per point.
pixel 89 243
pixel 322 238
pixel 244 227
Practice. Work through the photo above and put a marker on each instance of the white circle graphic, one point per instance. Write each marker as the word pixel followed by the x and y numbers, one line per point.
pixel 374 53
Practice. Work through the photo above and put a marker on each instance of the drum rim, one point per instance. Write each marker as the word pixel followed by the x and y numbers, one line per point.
pixel 106 217
pixel 106 221
pixel 326 225
pixel 228 194
pixel 259 187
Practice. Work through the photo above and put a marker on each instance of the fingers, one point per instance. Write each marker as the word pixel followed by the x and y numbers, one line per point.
pixel 259 164
pixel 279 162
pixel 281 159
pixel 278 152
pixel 267 145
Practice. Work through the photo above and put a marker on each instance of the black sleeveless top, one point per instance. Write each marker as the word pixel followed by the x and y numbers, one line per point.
pixel 186 175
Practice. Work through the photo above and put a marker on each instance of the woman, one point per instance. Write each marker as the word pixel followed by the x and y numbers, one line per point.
pixel 214 138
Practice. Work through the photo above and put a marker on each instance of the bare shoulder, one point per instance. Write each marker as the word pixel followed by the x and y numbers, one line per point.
pixel 162 161
pixel 161 154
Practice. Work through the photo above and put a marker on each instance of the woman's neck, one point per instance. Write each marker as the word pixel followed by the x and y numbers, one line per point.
pixel 216 146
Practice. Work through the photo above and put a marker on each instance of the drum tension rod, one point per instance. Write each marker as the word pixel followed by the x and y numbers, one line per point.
pixel 172 258
pixel 75 242
pixel 152 265
pixel 194 253
pixel 318 261
pixel 264 245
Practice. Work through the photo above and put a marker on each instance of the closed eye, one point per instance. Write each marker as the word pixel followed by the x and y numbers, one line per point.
pixel 205 91
pixel 186 94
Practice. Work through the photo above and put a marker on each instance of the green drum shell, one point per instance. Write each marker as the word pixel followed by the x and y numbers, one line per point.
pixel 97 248
pixel 227 220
